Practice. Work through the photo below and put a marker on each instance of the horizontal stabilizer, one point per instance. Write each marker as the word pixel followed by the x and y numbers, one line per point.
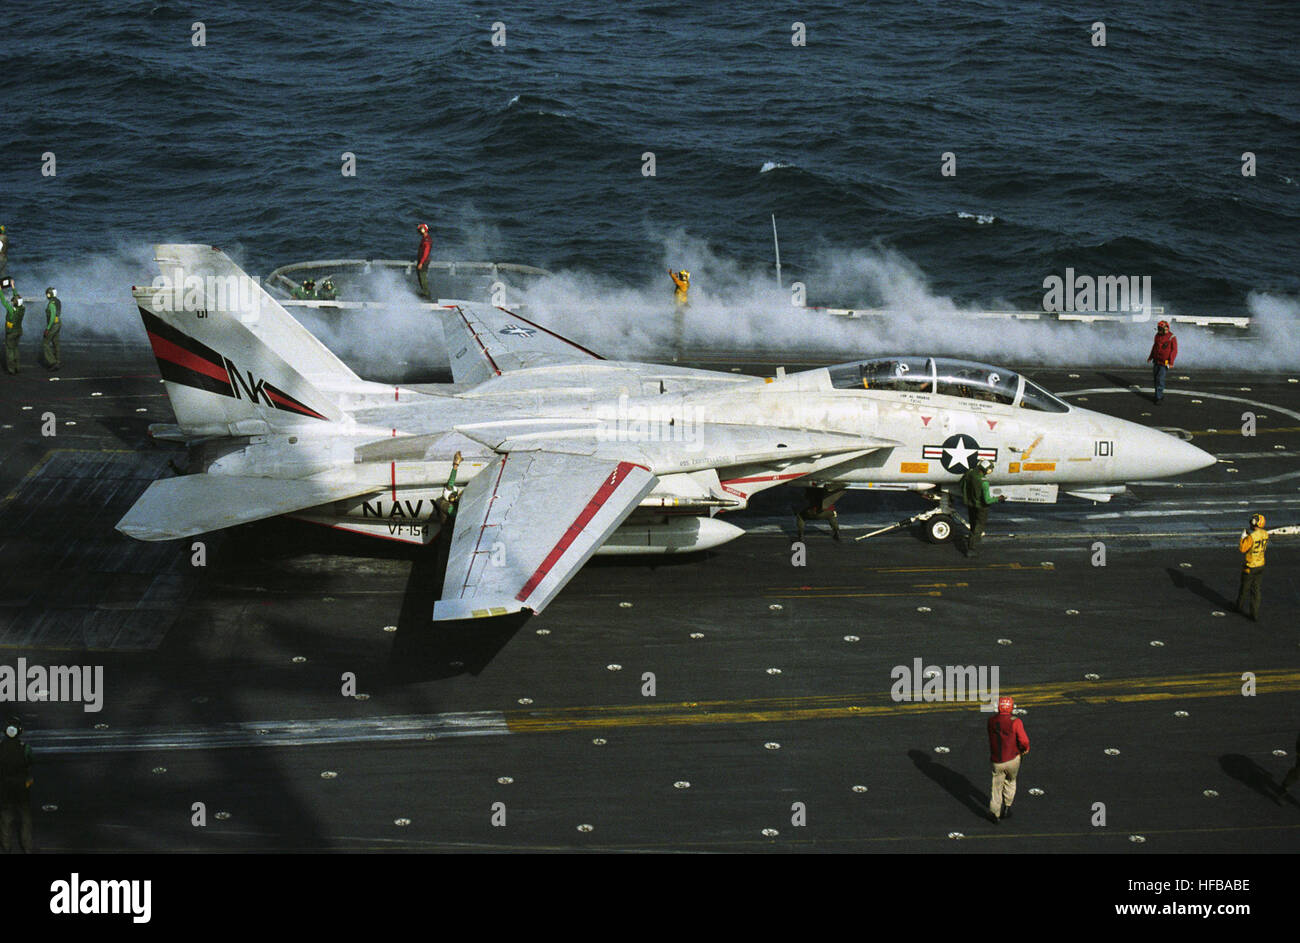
pixel 196 504
pixel 484 341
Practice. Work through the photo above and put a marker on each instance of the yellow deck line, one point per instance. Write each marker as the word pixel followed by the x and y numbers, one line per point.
pixel 811 595
pixel 879 704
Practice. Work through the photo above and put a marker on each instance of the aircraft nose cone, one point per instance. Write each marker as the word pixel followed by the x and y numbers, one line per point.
pixel 1167 456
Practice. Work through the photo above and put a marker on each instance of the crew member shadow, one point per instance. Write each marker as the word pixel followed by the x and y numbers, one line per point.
pixel 1196 585
pixel 957 785
pixel 1245 770
pixel 424 650
pixel 1124 383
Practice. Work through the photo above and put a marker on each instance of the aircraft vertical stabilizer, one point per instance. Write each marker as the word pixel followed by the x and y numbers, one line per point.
pixel 233 359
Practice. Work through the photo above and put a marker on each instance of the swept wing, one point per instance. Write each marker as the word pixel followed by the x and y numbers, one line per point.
pixel 527 523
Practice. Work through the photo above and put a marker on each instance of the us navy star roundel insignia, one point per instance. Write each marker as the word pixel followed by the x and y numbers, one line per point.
pixel 959 453
pixel 517 331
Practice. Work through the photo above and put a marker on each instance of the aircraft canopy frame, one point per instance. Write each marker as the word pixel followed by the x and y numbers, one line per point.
pixel 964 379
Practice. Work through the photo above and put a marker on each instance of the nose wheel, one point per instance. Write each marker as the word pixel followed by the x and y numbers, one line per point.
pixel 939 529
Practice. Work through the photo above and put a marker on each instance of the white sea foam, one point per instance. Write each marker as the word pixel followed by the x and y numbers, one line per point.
pixel 735 306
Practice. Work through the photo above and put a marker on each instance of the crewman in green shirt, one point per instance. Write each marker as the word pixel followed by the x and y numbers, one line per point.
pixel 53 323
pixel 975 492
pixel 450 499
pixel 14 309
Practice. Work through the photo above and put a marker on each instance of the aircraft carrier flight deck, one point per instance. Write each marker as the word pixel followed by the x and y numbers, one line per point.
pixel 712 702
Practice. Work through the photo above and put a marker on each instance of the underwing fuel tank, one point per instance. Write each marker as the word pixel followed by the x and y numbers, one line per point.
pixel 662 536
pixel 669 535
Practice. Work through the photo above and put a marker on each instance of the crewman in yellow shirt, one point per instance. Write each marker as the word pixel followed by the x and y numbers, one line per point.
pixel 1253 543
pixel 682 280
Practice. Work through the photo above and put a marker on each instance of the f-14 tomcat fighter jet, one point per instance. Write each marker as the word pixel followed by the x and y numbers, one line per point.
pixel 567 454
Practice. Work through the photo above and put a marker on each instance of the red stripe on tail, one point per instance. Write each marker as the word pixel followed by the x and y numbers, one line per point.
pixel 165 350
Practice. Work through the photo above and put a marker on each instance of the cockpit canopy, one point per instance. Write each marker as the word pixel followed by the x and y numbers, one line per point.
pixel 961 378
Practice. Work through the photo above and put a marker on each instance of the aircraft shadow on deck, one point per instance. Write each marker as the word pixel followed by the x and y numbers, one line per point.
pixel 652 560
pixel 132 432
pixel 424 650
pixel 957 785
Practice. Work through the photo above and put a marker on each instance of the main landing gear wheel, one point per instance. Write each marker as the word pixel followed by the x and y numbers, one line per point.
pixel 939 529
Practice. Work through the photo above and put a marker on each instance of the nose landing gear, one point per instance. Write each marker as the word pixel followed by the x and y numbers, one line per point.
pixel 939 522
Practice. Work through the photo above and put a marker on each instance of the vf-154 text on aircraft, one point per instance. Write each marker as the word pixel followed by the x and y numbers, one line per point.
pixel 568 454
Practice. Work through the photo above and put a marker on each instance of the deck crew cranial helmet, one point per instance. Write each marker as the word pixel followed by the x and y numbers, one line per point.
pixel 1257 520
pixel 422 227
pixel 685 274
pixel 50 292
pixel 1005 705
pixel 13 728
pixel 1162 326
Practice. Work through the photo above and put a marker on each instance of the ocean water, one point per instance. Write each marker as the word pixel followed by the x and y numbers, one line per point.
pixel 1116 160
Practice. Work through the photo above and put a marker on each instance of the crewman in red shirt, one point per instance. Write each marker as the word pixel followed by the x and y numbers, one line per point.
pixel 422 261
pixel 1008 742
pixel 1164 349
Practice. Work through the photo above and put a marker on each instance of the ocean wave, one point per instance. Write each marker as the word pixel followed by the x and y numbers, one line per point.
pixel 243 139
pixel 537 105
